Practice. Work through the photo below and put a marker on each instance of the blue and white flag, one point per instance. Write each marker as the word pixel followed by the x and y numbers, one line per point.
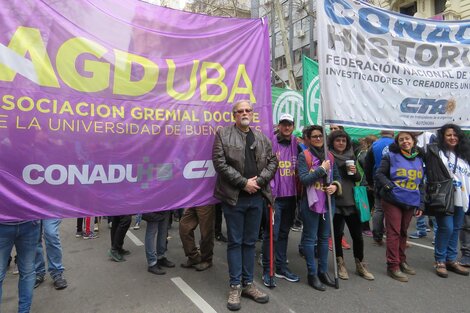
pixel 380 69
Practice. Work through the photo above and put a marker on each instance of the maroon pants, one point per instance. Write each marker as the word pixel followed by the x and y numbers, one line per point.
pixel 396 224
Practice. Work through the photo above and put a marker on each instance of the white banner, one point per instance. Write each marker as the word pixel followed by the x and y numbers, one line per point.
pixel 380 69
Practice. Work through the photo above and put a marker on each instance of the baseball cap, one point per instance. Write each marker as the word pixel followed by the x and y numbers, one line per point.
pixel 286 117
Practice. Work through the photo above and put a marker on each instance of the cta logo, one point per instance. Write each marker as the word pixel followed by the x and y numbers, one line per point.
pixel 426 106
pixel 199 169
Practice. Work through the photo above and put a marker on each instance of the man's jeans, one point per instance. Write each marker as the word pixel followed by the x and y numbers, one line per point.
pixel 50 230
pixel 316 230
pixel 243 222
pixel 447 235
pixel 155 248
pixel 25 237
pixel 421 225
pixel 283 220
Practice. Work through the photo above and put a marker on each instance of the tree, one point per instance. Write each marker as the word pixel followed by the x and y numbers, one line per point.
pixel 229 8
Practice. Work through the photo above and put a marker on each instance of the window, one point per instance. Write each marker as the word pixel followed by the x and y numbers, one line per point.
pixel 409 9
pixel 280 63
pixel 439 6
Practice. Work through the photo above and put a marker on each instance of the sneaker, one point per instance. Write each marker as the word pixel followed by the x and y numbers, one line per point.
pixel 78 234
pixel 417 235
pixel 203 266
pixel 220 237
pixel 397 275
pixel 39 280
pixel 96 228
pixel 115 255
pixel 60 282
pixel 269 281
pixel 287 275
pixel 252 292
pixel 441 269
pixel 110 225
pixel 367 233
pixel 136 226
pixel 233 302
pixel 345 244
pixel 164 262
pixel 297 228
pixel 455 267
pixel 156 269
pixel 330 244
pixel 124 252
pixel 90 235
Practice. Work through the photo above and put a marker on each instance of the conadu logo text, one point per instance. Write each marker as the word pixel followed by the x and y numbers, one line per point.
pixel 57 174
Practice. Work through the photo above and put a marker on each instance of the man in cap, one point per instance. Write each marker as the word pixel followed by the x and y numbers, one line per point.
pixel 284 191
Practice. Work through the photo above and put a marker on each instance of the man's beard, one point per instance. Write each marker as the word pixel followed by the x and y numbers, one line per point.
pixel 245 122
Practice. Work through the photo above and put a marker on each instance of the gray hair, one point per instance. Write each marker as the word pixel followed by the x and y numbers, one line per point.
pixel 236 104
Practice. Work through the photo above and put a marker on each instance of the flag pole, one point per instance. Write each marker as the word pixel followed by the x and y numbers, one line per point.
pixel 328 182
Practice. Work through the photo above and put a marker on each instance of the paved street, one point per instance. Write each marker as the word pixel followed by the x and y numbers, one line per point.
pixel 98 285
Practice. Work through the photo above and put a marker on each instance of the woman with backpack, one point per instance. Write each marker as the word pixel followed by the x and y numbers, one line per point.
pixel 315 170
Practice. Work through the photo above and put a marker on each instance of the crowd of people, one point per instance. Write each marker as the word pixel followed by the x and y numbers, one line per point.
pixel 291 181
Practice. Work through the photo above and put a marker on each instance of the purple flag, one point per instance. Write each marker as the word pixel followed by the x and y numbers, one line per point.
pixel 110 107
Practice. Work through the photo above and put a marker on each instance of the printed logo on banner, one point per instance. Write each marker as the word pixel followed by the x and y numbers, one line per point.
pixel 313 101
pixel 424 106
pixel 85 174
pixel 199 169
pixel 289 102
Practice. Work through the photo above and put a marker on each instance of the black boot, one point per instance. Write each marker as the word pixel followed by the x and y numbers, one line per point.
pixel 315 282
pixel 325 278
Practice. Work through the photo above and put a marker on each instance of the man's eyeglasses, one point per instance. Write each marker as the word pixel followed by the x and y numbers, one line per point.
pixel 316 137
pixel 244 111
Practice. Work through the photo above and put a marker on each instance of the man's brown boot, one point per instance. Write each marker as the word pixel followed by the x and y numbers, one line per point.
pixel 441 269
pixel 455 267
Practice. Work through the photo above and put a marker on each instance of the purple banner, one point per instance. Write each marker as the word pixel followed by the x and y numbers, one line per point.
pixel 110 107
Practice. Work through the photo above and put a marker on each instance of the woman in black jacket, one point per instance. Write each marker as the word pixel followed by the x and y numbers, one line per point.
pixel 340 146
pixel 399 180
pixel 447 159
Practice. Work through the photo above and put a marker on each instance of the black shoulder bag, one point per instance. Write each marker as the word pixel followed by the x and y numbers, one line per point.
pixel 439 197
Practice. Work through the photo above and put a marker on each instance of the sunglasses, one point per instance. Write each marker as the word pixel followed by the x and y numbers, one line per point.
pixel 244 111
pixel 316 137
